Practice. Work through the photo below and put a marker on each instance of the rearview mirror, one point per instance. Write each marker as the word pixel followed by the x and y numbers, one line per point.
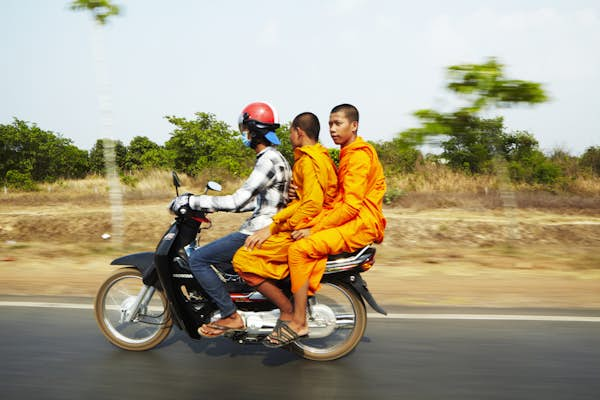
pixel 212 185
pixel 176 181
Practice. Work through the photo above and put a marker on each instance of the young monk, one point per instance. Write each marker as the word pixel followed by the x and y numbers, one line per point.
pixel 264 255
pixel 355 220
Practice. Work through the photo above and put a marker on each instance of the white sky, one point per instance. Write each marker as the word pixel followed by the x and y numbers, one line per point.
pixel 386 57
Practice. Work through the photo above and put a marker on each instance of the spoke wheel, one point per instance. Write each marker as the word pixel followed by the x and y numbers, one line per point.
pixel 338 323
pixel 148 329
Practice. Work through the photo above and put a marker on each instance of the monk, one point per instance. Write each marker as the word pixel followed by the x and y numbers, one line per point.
pixel 263 258
pixel 356 220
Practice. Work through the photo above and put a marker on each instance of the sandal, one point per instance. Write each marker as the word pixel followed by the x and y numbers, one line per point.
pixel 285 336
pixel 221 330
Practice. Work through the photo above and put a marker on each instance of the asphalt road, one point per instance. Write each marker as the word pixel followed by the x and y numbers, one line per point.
pixel 60 354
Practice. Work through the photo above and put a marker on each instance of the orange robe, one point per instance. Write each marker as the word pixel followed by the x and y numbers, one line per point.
pixel 315 176
pixel 355 221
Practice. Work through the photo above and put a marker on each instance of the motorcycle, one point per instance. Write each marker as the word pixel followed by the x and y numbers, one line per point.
pixel 137 306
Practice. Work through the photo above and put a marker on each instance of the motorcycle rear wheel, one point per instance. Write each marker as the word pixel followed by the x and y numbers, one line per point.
pixel 148 329
pixel 351 322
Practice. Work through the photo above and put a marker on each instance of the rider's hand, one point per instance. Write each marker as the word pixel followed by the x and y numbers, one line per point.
pixel 180 204
pixel 292 194
pixel 257 238
pixel 301 233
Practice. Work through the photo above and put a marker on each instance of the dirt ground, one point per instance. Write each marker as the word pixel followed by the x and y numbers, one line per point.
pixel 443 257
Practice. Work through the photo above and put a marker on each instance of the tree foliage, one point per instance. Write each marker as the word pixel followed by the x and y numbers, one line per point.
pixel 29 154
pixel 484 85
pixel 470 142
pixel 474 145
pixel 97 157
pixel 397 158
pixel 285 148
pixel 143 153
pixel 206 143
pixel 100 9
pixel 591 159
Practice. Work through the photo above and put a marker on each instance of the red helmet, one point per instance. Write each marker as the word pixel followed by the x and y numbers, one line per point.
pixel 258 117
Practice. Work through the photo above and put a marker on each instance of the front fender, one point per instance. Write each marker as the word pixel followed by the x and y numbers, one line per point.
pixel 143 262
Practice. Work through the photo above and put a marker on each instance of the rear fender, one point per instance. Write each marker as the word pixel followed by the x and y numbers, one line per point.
pixel 357 282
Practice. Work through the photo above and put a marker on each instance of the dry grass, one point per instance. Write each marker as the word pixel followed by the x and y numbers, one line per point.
pixel 448 245
pixel 146 185
pixel 437 186
pixel 430 178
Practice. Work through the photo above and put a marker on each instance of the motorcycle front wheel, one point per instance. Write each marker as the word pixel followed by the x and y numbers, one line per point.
pixel 338 320
pixel 149 327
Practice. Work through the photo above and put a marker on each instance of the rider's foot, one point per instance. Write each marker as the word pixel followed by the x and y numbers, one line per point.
pixel 234 322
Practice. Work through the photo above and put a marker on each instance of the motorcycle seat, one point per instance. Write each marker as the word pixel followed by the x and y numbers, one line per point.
pixel 338 261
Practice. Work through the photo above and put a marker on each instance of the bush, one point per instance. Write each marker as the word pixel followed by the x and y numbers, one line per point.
pixel 129 180
pixel 590 160
pixel 20 180
pixel 535 168
pixel 397 158
pixel 392 195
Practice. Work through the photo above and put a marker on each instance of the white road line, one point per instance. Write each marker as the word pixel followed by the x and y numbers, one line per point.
pixel 481 317
pixel 45 305
pixel 490 317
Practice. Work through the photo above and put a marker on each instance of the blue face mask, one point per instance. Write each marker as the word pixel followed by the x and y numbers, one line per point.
pixel 246 141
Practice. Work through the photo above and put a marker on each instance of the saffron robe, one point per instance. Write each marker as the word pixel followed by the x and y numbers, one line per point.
pixel 315 176
pixel 355 220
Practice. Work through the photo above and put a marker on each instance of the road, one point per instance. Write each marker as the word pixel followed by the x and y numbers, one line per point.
pixel 58 353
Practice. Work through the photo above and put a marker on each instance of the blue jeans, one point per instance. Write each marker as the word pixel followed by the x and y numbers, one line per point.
pixel 219 254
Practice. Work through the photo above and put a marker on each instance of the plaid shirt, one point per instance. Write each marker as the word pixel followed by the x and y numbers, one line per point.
pixel 265 192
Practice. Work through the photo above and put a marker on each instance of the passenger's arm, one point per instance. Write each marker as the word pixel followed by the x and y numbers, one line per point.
pixel 311 202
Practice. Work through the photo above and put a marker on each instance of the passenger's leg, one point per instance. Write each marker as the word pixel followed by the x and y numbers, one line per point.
pixel 271 291
pixel 262 266
pixel 306 259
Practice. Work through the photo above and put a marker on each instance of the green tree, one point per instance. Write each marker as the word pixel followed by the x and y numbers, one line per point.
pixel 285 148
pixel 568 164
pixel 590 160
pixel 101 9
pixel 484 86
pixel 143 153
pixel 473 146
pixel 469 141
pixel 205 143
pixel 96 157
pixel 334 153
pixel 38 155
pixel 526 163
pixel 395 157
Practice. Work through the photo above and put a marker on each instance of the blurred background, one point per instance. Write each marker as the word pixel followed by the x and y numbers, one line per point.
pixel 484 117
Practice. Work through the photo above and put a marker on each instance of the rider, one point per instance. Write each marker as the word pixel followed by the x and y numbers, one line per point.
pixel 264 192
pixel 264 255
pixel 355 220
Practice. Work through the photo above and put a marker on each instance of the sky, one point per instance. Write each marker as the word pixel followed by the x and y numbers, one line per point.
pixel 388 58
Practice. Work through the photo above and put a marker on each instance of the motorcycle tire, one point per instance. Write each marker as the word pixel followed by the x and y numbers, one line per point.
pixel 148 329
pixel 351 322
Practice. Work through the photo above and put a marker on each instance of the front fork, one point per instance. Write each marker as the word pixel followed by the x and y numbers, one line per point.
pixel 131 309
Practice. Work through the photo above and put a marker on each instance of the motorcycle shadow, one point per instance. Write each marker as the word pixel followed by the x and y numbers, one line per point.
pixel 221 347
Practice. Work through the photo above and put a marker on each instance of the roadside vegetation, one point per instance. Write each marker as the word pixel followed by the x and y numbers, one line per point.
pixel 479 159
